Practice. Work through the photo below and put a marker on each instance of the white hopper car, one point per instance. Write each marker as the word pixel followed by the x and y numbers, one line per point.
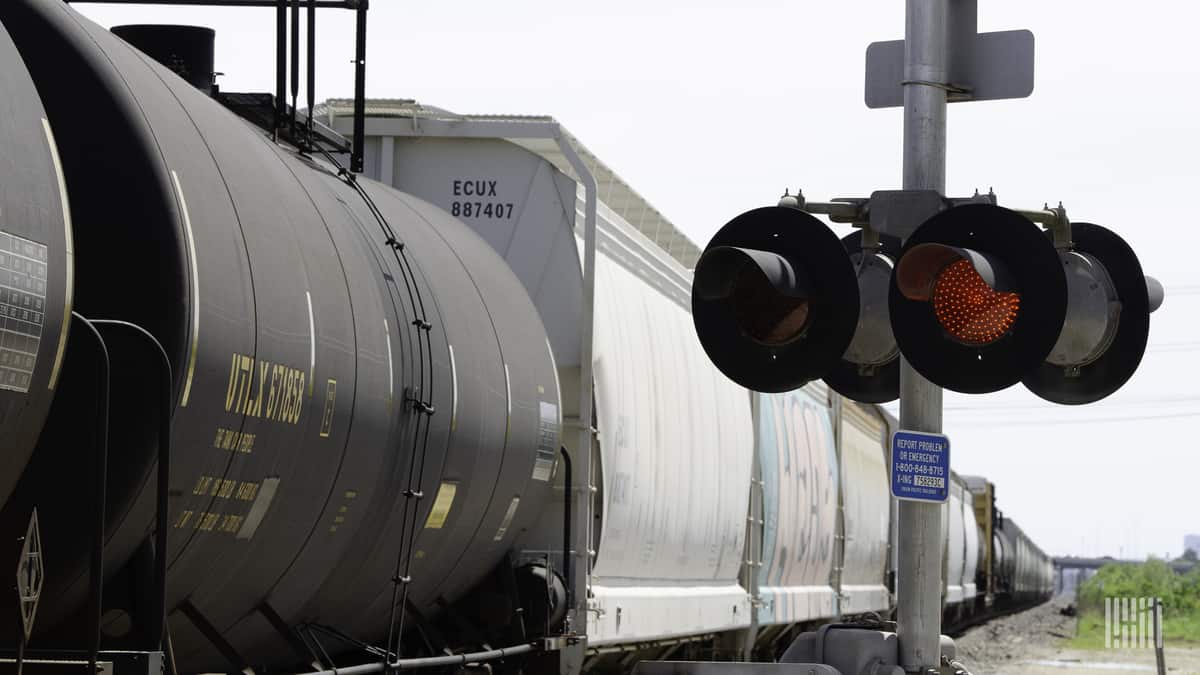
pixel 725 521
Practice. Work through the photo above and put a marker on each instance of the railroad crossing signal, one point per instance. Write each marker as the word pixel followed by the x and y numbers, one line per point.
pixel 978 299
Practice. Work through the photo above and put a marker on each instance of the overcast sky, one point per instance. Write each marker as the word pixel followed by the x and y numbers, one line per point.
pixel 709 109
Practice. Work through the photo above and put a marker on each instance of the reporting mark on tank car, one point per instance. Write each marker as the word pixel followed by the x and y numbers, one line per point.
pixel 260 388
pixel 22 309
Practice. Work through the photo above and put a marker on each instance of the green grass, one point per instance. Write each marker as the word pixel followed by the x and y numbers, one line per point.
pixel 1181 630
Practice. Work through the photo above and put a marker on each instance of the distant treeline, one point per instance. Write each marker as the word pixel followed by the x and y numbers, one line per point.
pixel 1180 593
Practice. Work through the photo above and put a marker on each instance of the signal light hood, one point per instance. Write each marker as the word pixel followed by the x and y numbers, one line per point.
pixel 918 272
pixel 723 265
pixel 768 296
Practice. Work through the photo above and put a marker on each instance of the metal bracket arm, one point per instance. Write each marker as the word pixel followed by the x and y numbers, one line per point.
pixel 840 210
pixel 1056 222
pixel 874 214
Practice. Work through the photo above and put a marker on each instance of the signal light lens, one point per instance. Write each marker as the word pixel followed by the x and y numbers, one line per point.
pixel 970 310
pixel 1001 298
pixel 765 315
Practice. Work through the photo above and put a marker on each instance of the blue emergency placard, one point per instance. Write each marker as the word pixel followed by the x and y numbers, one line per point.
pixel 920 466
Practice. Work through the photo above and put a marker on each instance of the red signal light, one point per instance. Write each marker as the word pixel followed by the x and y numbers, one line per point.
pixel 978 298
pixel 970 310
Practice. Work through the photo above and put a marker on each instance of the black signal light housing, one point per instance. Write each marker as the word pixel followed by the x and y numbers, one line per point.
pixel 978 298
pixel 869 370
pixel 1107 323
pixel 775 299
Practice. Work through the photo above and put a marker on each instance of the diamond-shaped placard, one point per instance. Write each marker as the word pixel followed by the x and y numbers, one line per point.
pixel 30 574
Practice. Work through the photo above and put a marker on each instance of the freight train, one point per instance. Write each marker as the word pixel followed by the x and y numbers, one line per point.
pixel 370 392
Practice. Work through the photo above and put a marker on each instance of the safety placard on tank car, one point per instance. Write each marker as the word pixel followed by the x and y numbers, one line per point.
pixel 543 466
pixel 22 309
pixel 441 505
pixel 920 466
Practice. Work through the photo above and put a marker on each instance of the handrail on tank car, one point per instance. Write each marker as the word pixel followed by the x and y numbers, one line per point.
pixel 96 566
pixel 159 619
